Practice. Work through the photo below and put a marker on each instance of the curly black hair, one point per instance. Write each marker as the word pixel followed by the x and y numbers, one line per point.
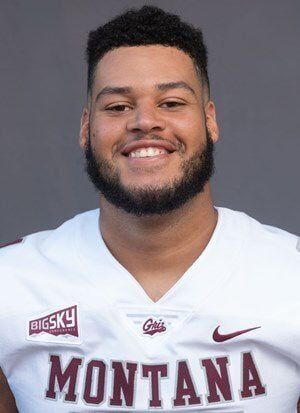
pixel 148 25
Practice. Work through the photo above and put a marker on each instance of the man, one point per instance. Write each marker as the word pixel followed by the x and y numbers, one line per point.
pixel 158 300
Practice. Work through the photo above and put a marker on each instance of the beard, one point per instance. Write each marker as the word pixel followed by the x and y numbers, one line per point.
pixel 195 173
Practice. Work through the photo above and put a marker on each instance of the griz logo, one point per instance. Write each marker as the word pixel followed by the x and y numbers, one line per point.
pixel 152 326
pixel 60 322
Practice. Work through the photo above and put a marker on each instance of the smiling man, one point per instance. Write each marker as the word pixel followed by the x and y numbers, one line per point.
pixel 158 299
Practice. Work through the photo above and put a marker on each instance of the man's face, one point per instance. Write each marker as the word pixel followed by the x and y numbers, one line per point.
pixel 149 132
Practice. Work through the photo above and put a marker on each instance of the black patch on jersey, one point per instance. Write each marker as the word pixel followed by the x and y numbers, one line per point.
pixel 7 244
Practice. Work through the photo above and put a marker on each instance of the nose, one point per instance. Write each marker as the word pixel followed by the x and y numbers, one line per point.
pixel 145 119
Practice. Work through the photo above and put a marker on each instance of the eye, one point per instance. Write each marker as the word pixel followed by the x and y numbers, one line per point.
pixel 172 104
pixel 118 108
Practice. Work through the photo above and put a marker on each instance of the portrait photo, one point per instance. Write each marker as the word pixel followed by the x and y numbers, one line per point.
pixel 149 170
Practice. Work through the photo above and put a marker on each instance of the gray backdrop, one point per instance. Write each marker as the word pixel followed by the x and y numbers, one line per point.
pixel 254 71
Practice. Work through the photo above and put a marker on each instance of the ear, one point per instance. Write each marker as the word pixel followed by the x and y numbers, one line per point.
pixel 84 128
pixel 211 121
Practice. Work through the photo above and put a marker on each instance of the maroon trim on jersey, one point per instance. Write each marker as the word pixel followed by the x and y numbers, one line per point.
pixel 16 241
pixel 219 338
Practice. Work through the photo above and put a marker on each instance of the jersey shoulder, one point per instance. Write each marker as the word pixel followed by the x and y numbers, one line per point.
pixel 269 244
pixel 278 240
pixel 36 262
pixel 282 236
pixel 50 245
pixel 269 268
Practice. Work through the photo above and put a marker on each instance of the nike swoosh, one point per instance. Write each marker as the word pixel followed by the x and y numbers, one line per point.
pixel 219 338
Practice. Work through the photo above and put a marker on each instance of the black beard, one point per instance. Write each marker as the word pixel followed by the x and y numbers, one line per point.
pixel 196 171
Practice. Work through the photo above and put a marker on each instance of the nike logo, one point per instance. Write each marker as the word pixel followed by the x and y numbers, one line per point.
pixel 219 338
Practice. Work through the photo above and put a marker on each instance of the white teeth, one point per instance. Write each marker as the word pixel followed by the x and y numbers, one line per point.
pixel 151 152
pixel 147 152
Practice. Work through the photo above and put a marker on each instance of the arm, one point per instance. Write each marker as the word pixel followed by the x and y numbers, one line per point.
pixel 7 400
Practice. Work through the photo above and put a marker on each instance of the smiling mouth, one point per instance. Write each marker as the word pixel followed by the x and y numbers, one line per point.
pixel 148 152
pixel 148 148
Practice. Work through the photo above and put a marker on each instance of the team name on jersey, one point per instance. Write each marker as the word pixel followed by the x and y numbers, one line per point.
pixel 63 381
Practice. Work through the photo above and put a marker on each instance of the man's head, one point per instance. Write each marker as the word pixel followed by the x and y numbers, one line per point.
pixel 149 127
pixel 149 25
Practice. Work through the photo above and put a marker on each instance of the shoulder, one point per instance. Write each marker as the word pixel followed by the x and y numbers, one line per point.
pixel 44 243
pixel 269 270
pixel 276 240
pixel 265 243
pixel 36 263
pixel 261 232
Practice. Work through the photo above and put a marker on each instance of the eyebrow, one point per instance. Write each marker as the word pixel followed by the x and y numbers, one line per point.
pixel 125 90
pixel 175 85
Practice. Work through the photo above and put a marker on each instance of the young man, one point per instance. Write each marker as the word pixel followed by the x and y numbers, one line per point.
pixel 158 300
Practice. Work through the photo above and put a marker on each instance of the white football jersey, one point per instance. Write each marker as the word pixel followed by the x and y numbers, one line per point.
pixel 79 334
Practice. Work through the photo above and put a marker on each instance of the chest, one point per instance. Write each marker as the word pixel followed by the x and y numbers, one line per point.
pixel 92 356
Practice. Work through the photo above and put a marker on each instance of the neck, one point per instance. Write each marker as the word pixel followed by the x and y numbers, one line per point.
pixel 158 250
pixel 159 234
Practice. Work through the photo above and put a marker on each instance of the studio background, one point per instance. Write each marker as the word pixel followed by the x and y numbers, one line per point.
pixel 254 68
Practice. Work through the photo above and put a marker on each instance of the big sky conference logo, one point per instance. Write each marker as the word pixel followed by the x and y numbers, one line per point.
pixel 59 326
